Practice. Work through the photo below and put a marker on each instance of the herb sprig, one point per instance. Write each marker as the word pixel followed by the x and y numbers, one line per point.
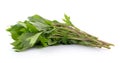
pixel 40 32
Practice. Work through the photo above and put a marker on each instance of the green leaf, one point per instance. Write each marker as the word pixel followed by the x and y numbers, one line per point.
pixel 67 20
pixel 39 26
pixel 43 40
pixel 37 18
pixel 15 31
pixel 23 42
pixel 34 39
pixel 22 24
pixel 30 27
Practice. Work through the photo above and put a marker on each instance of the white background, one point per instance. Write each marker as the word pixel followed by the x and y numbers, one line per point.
pixel 97 17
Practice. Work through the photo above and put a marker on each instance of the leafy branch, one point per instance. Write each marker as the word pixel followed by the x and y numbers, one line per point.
pixel 40 32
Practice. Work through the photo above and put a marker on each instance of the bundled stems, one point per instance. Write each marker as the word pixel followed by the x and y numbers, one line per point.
pixel 41 32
